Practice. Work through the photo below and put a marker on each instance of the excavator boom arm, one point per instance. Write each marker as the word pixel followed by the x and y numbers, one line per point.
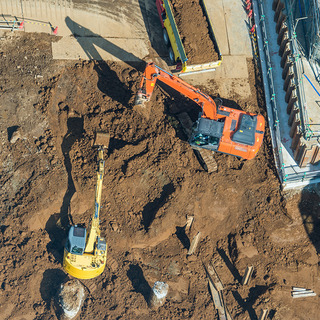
pixel 94 230
pixel 153 73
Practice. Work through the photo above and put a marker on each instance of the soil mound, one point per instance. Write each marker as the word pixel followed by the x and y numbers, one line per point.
pixel 194 31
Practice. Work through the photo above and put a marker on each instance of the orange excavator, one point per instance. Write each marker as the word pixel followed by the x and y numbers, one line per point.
pixel 218 128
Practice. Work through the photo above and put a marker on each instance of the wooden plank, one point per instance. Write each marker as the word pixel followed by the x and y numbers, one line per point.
pixel 194 244
pixel 189 223
pixel 263 315
pixel 247 275
pixel 218 302
pixel 216 288
pixel 214 276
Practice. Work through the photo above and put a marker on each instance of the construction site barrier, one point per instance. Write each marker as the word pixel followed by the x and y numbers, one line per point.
pixel 292 116
pixel 286 68
pixel 269 87
pixel 11 24
pixel 281 22
pixel 278 11
pixel 288 78
pixel 281 32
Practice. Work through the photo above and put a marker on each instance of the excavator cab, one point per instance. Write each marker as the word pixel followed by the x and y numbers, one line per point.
pixel 76 242
pixel 207 133
pixel 246 131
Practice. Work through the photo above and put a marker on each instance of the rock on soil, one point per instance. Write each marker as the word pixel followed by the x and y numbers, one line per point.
pixel 70 299
pixel 194 31
pixel 15 135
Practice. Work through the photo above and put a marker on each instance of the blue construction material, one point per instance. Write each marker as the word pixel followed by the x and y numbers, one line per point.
pixel 312 85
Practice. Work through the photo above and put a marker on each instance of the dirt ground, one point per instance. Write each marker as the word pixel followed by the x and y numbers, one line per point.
pixel 153 181
pixel 199 46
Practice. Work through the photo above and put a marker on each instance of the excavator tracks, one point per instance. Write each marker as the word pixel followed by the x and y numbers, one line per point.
pixel 210 164
pixel 206 156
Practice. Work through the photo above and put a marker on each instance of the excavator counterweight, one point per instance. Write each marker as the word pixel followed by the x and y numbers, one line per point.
pixel 218 128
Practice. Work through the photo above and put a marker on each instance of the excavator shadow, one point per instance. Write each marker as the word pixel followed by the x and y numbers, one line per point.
pixel 150 210
pixel 248 303
pixel 58 224
pixel 246 306
pixel 309 206
pixel 51 280
pixel 109 82
pixel 230 265
pixel 181 235
pixel 139 283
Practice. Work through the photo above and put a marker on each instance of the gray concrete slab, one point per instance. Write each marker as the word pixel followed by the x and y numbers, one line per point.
pixel 232 69
pixel 124 33
pixel 99 48
pixel 136 23
pixel 229 21
pixel 238 31
pixel 217 16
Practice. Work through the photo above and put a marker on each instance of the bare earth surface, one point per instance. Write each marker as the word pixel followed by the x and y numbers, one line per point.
pixel 153 181
pixel 194 31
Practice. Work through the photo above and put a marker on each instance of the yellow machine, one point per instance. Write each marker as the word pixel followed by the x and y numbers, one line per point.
pixel 85 254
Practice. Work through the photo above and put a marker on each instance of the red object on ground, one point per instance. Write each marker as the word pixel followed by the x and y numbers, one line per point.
pixel 55 31
pixel 253 28
pixel 21 24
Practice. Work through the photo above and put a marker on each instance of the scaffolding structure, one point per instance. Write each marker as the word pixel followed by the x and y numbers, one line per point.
pixel 291 91
pixel 308 12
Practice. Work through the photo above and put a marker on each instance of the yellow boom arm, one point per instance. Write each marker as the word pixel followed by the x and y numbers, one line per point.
pixel 95 230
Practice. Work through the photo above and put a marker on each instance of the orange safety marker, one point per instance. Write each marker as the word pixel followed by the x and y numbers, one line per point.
pixel 55 31
pixel 21 24
pixel 253 28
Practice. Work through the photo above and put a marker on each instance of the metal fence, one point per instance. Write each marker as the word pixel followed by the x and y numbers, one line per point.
pixel 32 9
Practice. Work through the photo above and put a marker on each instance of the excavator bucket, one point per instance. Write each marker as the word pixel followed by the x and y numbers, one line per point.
pixel 140 100
pixel 102 139
pixel 141 105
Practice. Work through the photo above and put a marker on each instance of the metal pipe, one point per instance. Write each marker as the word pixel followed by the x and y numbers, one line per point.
pixel 304 295
pixel 312 85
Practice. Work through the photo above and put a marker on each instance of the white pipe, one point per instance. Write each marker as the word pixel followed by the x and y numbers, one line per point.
pixel 303 295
